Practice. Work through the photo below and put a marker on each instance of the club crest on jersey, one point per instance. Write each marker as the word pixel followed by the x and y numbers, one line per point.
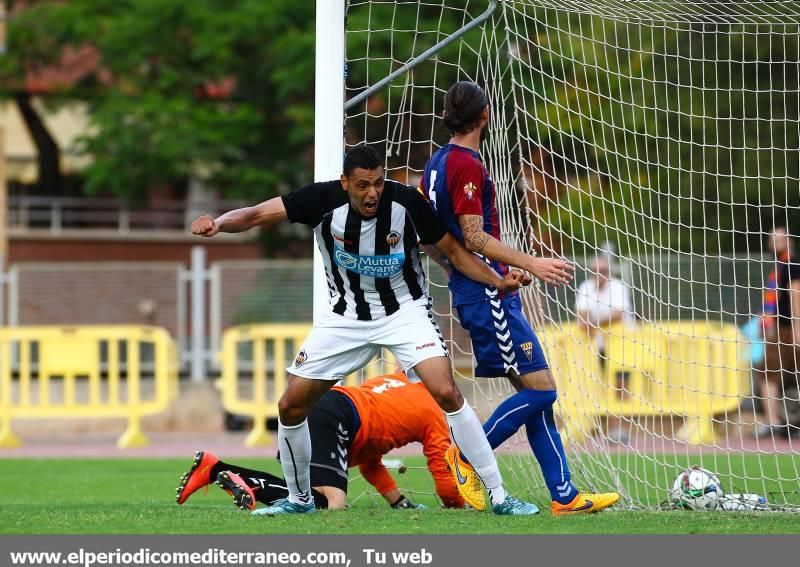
pixel 527 348
pixel 393 238
pixel 300 358
pixel 470 189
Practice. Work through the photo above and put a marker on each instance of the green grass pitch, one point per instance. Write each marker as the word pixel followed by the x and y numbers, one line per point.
pixel 127 496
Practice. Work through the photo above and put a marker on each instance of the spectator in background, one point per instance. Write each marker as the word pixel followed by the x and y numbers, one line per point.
pixel 781 332
pixel 602 300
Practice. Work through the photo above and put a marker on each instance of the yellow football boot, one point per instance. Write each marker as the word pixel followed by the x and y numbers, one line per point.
pixel 467 480
pixel 585 504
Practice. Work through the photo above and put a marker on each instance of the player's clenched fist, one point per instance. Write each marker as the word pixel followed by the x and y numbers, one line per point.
pixel 551 270
pixel 514 280
pixel 204 226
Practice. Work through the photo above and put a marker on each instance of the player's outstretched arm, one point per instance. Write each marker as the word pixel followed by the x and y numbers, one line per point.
pixel 476 269
pixel 267 213
pixel 550 270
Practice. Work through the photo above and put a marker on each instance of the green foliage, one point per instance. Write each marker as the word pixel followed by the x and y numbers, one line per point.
pixel 659 134
pixel 150 122
pixel 407 111
pixel 674 136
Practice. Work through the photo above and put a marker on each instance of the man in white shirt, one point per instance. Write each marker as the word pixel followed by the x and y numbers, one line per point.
pixel 602 300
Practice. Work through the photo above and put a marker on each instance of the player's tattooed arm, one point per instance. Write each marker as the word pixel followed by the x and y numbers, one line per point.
pixel 475 238
pixel 476 269
pixel 550 270
pixel 267 213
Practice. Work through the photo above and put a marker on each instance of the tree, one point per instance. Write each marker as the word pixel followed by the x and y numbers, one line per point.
pixel 206 88
pixel 675 137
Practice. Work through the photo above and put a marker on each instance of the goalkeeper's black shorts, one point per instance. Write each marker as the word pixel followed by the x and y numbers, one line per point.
pixel 332 423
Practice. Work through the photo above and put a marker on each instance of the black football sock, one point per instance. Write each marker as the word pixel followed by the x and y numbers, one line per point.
pixel 216 469
pixel 267 487
pixel 254 478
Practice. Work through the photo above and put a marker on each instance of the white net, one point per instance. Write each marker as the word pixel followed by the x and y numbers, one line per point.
pixel 661 139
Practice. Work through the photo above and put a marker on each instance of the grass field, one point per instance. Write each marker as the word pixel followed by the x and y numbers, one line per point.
pixel 126 496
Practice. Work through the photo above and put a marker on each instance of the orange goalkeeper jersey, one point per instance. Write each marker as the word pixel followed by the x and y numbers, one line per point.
pixel 395 412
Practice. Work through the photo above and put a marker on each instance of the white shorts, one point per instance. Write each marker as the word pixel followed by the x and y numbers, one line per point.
pixel 339 346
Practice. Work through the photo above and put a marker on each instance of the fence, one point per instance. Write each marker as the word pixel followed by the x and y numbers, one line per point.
pixel 90 371
pixel 196 302
pixel 28 213
pixel 254 360
pixel 696 371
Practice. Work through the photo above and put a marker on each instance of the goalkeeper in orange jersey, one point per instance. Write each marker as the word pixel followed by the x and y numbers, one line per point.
pixel 350 426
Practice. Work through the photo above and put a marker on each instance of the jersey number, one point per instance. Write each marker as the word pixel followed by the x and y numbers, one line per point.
pixel 432 190
pixel 388 383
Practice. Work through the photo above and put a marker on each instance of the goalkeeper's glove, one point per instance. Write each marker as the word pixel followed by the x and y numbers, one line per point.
pixel 405 503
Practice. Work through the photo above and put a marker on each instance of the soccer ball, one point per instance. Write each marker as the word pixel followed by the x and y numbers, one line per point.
pixel 696 489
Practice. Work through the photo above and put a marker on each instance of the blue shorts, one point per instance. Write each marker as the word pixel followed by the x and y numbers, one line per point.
pixel 502 339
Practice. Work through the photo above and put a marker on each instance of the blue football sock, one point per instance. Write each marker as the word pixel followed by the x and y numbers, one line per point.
pixel 515 412
pixel 545 441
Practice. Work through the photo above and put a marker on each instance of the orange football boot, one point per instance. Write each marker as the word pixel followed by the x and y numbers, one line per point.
pixel 199 476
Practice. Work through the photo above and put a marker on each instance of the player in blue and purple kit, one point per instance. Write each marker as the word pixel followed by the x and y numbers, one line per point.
pixel 462 193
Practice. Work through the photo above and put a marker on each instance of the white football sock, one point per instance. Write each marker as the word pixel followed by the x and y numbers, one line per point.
pixel 465 427
pixel 294 443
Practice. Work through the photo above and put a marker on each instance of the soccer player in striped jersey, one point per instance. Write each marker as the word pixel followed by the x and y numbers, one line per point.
pixel 368 231
pixel 351 426
pixel 503 342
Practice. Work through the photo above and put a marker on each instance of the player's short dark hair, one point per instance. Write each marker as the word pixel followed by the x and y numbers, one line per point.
pixel 463 106
pixel 363 156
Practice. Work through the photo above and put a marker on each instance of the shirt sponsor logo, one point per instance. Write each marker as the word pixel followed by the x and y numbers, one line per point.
pixel 382 266
pixel 393 238
pixel 300 358
pixel 426 345
pixel 527 348
pixel 469 190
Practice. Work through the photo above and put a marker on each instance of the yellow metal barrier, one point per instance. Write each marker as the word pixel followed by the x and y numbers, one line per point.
pixel 107 359
pixel 689 369
pixel 254 361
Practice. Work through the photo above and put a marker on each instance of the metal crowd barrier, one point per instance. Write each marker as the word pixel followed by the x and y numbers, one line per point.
pixel 85 372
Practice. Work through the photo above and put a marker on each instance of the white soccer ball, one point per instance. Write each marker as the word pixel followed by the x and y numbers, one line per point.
pixel 696 489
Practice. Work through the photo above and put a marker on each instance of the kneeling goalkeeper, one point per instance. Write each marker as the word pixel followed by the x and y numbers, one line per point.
pixel 350 426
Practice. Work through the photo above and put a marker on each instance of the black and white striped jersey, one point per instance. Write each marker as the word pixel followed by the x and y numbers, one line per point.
pixel 372 265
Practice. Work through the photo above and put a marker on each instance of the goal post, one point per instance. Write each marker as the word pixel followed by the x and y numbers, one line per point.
pixel 328 116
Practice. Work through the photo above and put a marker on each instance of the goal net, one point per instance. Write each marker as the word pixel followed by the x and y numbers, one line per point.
pixel 655 141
